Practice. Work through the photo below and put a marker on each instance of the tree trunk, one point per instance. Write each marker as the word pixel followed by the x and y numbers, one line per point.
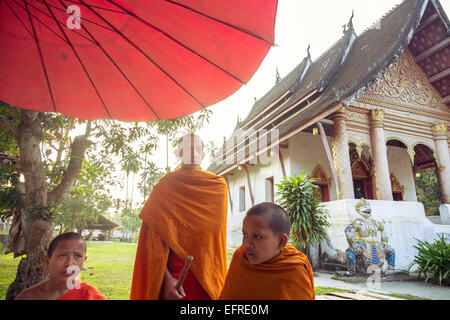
pixel 38 233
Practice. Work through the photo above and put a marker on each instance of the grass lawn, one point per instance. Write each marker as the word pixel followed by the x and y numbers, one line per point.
pixel 112 271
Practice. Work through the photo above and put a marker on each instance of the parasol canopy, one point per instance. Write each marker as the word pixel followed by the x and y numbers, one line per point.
pixel 130 60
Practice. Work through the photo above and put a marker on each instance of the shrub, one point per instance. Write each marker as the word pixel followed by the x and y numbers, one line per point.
pixel 433 260
pixel 308 216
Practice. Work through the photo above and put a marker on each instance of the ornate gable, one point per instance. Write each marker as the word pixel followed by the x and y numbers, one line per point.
pixel 404 85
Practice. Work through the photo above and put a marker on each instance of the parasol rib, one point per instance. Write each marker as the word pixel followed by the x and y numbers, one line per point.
pixel 84 19
pixel 145 55
pixel 42 58
pixel 56 20
pixel 145 22
pixel 38 20
pixel 79 60
pixel 220 21
pixel 118 68
pixel 92 6
pixel 12 10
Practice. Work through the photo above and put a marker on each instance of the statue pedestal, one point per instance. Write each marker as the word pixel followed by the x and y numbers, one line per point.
pixel 404 222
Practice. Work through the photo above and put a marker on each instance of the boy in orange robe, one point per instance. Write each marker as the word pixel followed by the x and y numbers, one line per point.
pixel 66 253
pixel 185 215
pixel 265 266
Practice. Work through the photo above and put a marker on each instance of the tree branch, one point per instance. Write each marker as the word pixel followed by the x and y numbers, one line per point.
pixel 7 123
pixel 78 149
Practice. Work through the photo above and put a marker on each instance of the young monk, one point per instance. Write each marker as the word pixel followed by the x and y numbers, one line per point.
pixel 67 249
pixel 185 215
pixel 265 266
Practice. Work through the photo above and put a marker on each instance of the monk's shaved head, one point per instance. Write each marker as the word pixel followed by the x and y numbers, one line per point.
pixel 190 149
pixel 277 218
pixel 64 237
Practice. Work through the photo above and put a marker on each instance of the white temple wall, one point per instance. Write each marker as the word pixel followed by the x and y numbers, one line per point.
pixel 307 151
pixel 404 222
pixel 258 175
pixel 400 165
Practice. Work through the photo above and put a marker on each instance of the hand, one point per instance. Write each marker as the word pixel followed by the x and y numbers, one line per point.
pixel 169 292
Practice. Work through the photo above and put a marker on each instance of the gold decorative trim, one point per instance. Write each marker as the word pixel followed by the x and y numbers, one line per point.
pixel 396 186
pixel 320 175
pixel 396 138
pixel 439 127
pixel 377 115
pixel 406 82
pixel 424 143
pixel 403 107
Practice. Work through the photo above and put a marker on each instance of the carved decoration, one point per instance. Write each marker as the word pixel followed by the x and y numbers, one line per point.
pixel 321 180
pixel 319 175
pixel 360 169
pixel 377 115
pixel 396 187
pixel 407 83
pixel 439 127
pixel 411 153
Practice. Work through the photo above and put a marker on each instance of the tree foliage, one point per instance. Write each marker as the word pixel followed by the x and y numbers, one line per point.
pixel 53 149
pixel 427 189
pixel 308 216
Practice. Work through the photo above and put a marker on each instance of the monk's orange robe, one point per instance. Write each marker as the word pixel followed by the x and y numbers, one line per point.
pixel 288 276
pixel 86 292
pixel 186 213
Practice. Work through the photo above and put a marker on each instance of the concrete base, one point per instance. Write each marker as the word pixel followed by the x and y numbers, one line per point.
pixel 444 211
pixel 404 222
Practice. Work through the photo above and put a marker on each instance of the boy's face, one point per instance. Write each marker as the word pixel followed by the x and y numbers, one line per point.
pixel 66 253
pixel 258 240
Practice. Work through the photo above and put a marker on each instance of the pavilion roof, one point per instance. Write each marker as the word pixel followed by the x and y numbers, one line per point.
pixel 102 223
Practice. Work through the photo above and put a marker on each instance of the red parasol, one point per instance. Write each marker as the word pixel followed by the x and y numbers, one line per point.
pixel 131 60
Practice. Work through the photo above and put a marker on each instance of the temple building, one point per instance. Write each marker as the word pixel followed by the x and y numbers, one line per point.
pixel 363 118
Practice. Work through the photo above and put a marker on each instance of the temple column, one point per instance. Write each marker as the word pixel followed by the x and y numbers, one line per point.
pixel 443 159
pixel 341 156
pixel 383 188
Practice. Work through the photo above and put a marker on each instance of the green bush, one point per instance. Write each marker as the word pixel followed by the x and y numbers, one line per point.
pixel 433 260
pixel 308 216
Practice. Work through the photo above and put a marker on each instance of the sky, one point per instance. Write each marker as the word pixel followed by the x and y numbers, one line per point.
pixel 299 23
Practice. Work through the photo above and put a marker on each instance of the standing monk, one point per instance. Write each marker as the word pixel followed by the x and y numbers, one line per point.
pixel 185 215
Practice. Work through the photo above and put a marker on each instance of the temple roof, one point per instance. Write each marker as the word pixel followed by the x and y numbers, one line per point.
pixel 351 65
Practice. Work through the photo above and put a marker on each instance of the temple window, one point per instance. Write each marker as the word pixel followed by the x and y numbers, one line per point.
pixel 269 189
pixel 242 198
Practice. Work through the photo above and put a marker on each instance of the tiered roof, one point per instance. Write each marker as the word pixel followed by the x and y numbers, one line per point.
pixel 348 68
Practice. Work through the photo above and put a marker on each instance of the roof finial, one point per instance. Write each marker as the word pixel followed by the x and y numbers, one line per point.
pixel 307 50
pixel 349 25
pixel 277 77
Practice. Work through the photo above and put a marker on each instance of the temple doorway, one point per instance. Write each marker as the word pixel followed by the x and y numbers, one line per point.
pixel 426 178
pixel 361 164
pixel 322 193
